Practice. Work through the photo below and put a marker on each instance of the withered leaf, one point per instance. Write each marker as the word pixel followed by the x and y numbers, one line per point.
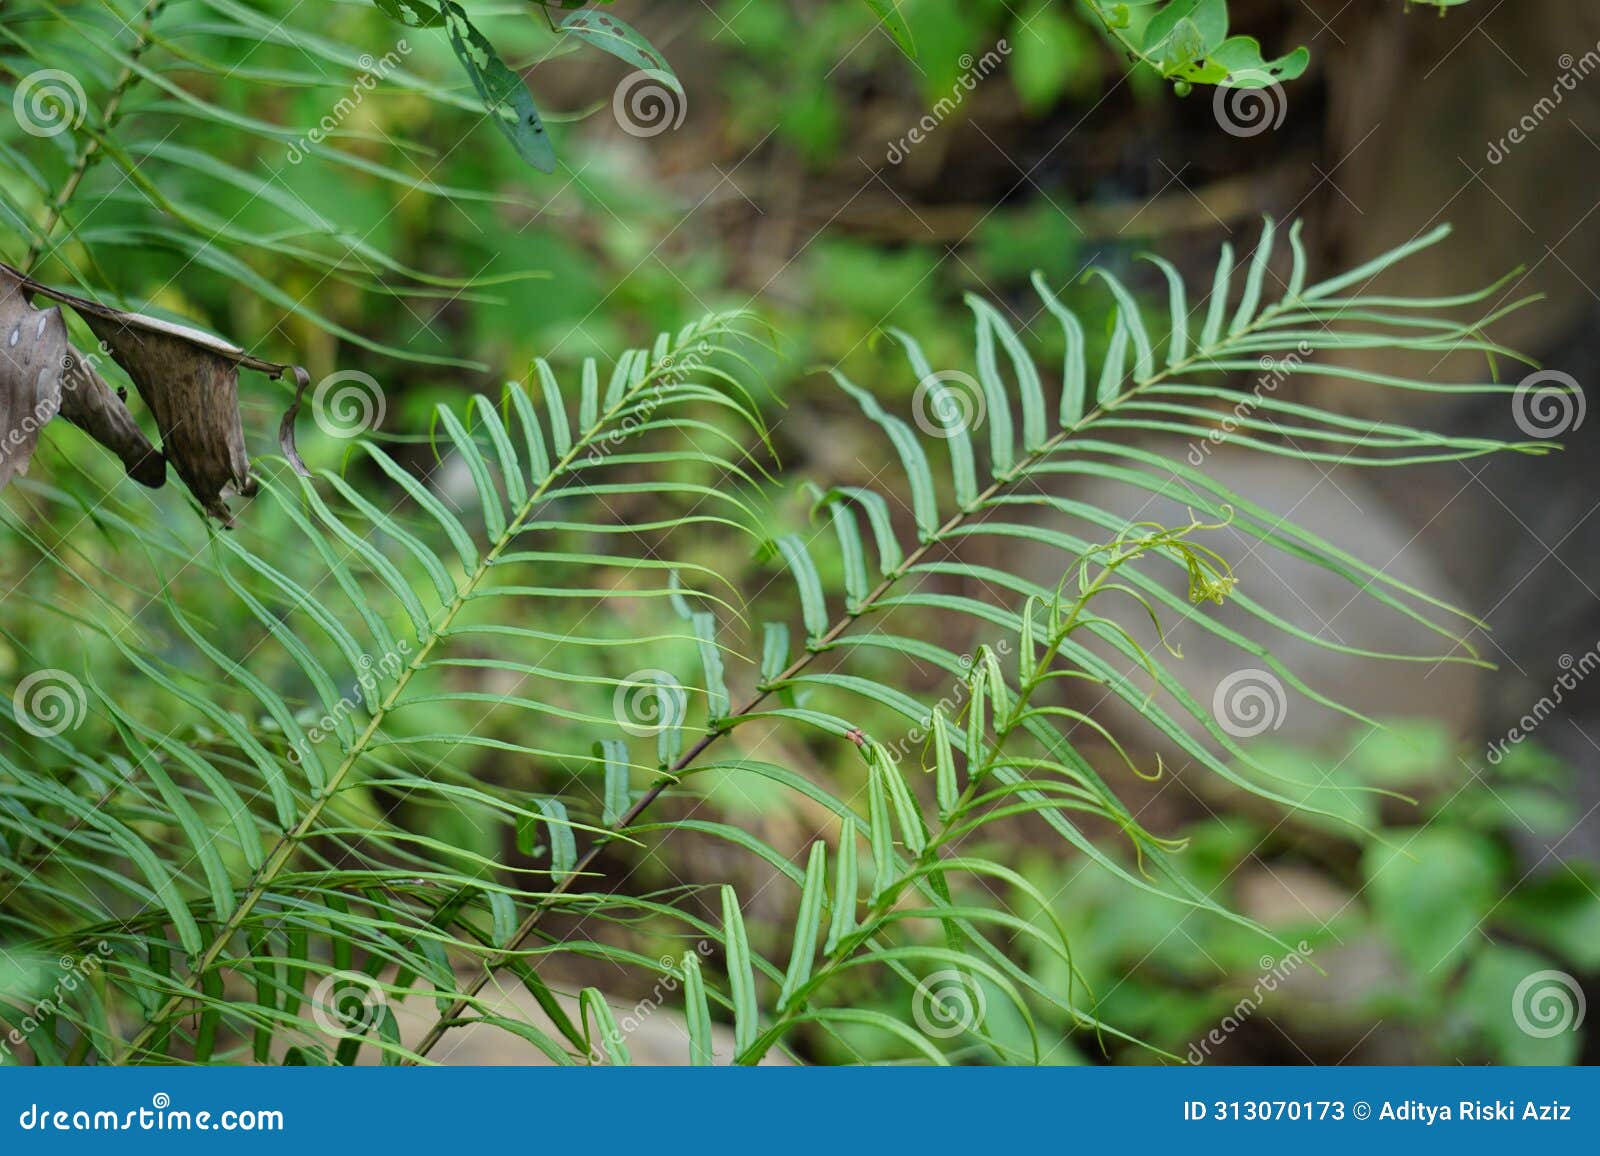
pixel 190 381
pixel 77 392
pixel 94 407
pixel 194 393
pixel 291 451
pixel 33 350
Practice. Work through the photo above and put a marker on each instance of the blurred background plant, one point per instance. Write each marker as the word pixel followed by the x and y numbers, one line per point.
pixel 1424 934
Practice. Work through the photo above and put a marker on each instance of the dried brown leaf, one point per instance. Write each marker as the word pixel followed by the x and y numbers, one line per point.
pixel 190 381
pixel 33 350
pixel 94 407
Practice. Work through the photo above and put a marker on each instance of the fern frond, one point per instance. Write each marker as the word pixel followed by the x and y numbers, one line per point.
pixel 398 781
pixel 339 700
pixel 1059 779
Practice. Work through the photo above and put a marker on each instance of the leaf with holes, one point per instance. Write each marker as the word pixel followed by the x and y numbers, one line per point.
pixel 505 97
pixel 609 34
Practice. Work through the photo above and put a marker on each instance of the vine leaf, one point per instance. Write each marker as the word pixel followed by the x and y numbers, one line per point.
pixel 1189 40
pixel 611 35
pixel 412 13
pixel 1241 65
pixel 505 98
pixel 189 379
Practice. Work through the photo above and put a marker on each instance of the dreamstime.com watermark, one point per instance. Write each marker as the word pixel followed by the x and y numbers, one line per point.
pixel 647 702
pixel 373 71
pixel 972 71
pixel 48 102
pixel 948 403
pixel 1249 103
pixel 667 373
pixel 1274 372
pixel 160 1116
pixel 49 702
pixel 1573 70
pixel 348 403
pixel 649 102
pixel 1548 404
pixel 1273 973
pixel 71 972
pixel 1573 671
pixel 948 1003
pixel 348 1004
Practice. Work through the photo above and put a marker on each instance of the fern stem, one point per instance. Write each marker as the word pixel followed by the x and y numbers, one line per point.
pixel 91 148
pixel 1199 357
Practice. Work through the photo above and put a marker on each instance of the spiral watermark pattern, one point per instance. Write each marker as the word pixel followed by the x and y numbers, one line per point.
pixel 49 102
pixel 1249 104
pixel 1548 404
pixel 1548 1003
pixel 648 103
pixel 948 403
pixel 49 702
pixel 947 1003
pixel 348 1003
pixel 647 702
pixel 1249 702
pixel 348 403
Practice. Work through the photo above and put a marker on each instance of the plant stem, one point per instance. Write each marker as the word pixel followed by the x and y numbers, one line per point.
pixel 91 148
